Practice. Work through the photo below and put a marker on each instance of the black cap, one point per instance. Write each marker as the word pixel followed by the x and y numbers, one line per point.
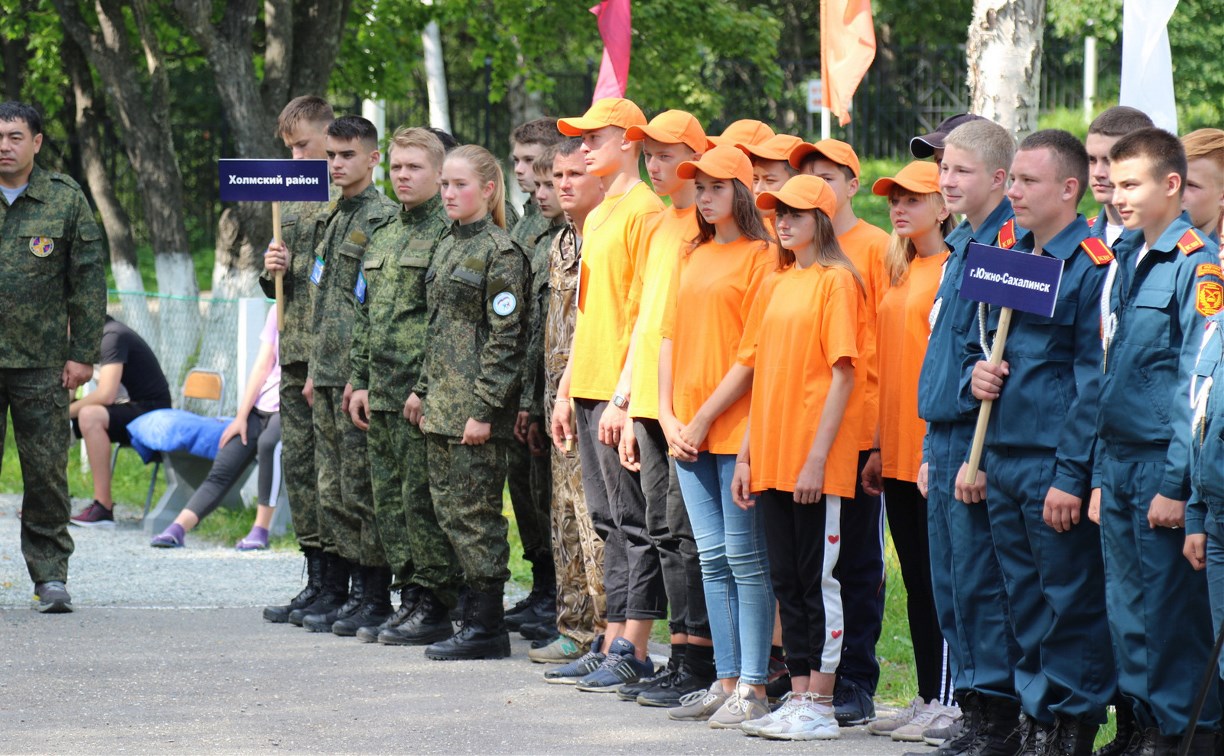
pixel 924 146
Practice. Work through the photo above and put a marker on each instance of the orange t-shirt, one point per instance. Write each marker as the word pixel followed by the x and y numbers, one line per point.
pixel 716 286
pixel 866 246
pixel 903 328
pixel 612 248
pixel 803 321
pixel 669 232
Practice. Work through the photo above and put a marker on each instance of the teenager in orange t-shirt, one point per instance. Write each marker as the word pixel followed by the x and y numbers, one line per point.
pixel 861 570
pixel 916 253
pixel 703 408
pixel 800 453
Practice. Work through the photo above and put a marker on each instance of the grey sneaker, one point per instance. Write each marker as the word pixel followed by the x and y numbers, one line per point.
pixel 52 597
pixel 561 650
pixel 888 725
pixel 741 706
pixel 933 715
pixel 753 727
pixel 700 705
pixel 936 734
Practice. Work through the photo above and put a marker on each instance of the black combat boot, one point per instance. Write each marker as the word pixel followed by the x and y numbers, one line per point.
pixel 314 586
pixel 1072 737
pixel 1035 737
pixel 429 623
pixel 375 603
pixel 409 596
pixel 1149 742
pixel 459 610
pixel 1124 715
pixel 484 634
pixel 540 606
pixel 1202 744
pixel 321 622
pixel 1000 733
pixel 334 591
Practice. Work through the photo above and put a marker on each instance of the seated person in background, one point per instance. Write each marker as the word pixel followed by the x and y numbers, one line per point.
pixel 255 429
pixel 130 383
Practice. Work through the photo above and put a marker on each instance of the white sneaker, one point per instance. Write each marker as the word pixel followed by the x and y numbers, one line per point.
pixel 947 718
pixel 888 725
pixel 754 726
pixel 807 721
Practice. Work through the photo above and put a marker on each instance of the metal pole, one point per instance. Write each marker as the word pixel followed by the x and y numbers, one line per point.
pixel 1090 76
pixel 826 122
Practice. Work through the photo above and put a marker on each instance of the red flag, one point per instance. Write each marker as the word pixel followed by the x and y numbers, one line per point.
pixel 847 48
pixel 616 29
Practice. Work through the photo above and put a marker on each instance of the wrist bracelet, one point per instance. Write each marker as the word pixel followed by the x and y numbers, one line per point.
pixel 874 450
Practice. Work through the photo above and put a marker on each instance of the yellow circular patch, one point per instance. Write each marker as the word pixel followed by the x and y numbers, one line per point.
pixel 42 246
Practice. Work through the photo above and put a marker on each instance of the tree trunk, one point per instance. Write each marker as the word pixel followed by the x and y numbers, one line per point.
pixel 1004 61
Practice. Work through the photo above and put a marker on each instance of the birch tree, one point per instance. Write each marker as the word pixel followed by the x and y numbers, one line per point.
pixel 1004 61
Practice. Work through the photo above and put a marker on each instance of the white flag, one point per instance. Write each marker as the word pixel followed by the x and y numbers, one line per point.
pixel 1147 62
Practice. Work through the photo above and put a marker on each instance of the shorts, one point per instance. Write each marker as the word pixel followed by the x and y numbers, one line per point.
pixel 119 415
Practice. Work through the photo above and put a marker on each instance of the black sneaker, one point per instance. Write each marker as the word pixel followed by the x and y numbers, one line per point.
pixel 52 597
pixel 777 681
pixel 631 691
pixel 853 705
pixel 621 667
pixel 539 608
pixel 538 631
pixel 571 672
pixel 667 693
pixel 94 516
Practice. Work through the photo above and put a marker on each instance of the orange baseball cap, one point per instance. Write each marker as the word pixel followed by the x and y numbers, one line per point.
pixel 722 162
pixel 672 127
pixel 919 177
pixel 802 193
pixel 777 147
pixel 610 111
pixel 745 131
pixel 833 149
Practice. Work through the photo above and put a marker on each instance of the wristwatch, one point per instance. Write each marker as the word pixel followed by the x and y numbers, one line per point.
pixel 620 401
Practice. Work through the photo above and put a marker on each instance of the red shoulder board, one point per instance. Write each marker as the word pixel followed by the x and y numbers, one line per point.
pixel 1092 221
pixel 1190 242
pixel 1007 234
pixel 1098 250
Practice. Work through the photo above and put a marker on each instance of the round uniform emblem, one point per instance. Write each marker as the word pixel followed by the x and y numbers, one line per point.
pixel 504 303
pixel 42 246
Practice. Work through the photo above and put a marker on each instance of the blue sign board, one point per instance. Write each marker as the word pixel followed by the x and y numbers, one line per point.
pixel 1005 278
pixel 273 180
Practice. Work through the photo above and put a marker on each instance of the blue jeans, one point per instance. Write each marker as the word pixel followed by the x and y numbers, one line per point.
pixel 734 568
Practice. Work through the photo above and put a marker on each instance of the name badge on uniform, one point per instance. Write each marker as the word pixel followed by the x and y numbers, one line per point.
pixel 42 246
pixel 359 290
pixel 316 272
pixel 504 303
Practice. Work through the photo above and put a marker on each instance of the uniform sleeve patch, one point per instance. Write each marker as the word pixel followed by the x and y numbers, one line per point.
pixel 1098 250
pixel 505 303
pixel 1007 234
pixel 1209 298
pixel 1190 242
pixel 1208 269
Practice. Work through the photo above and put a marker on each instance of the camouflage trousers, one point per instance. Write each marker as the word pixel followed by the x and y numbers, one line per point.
pixel 416 548
pixel 342 470
pixel 577 553
pixel 39 404
pixel 530 486
pixel 297 456
pixel 466 484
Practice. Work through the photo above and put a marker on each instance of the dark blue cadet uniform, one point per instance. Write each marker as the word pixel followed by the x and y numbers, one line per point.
pixel 1153 326
pixel 1041 436
pixel 970 600
pixel 1205 510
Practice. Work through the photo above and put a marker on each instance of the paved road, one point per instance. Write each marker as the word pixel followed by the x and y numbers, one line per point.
pixel 167 653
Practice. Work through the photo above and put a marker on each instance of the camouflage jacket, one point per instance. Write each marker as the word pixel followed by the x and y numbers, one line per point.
pixel 389 332
pixel 51 275
pixel 302 225
pixel 528 229
pixel 564 261
pixel 477 288
pixel 532 398
pixel 341 284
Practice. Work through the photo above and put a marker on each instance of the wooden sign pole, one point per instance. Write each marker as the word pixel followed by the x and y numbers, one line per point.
pixel 979 434
pixel 280 274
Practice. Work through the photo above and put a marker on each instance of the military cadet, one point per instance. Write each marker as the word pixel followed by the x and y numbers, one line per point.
pixel 53 278
pixel 931 145
pixel 387 354
pixel 577 548
pixel 1104 131
pixel 1203 197
pixel 466 398
pixel 341 464
pixel 528 478
pixel 302 125
pixel 1039 452
pixel 1165 282
pixel 968 585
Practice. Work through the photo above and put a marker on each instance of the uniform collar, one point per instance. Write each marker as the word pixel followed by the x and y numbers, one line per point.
pixel 350 203
pixel 471 230
pixel 39 186
pixel 530 207
pixel 989 231
pixel 1064 243
pixel 421 212
pixel 1170 236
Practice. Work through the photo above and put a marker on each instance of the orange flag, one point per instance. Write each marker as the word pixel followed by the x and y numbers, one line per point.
pixel 847 48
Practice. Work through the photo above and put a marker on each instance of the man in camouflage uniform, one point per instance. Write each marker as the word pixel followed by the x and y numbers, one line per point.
pixel 51 279
pixel 303 127
pixel 528 470
pixel 387 355
pixel 346 508
pixel 473 362
pixel 577 548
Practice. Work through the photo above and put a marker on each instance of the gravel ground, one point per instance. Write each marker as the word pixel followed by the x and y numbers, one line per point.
pixel 166 653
